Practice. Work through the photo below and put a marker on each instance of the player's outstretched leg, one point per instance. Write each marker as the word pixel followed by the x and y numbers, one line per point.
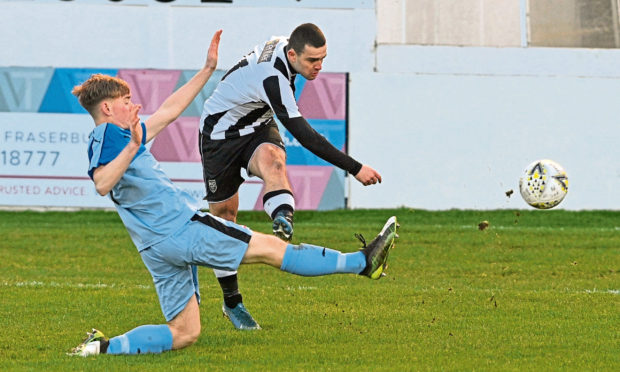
pixel 371 261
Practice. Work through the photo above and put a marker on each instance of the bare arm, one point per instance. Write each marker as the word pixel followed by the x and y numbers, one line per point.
pixel 174 105
pixel 107 176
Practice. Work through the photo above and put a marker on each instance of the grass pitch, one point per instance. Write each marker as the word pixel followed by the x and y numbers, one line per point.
pixel 536 290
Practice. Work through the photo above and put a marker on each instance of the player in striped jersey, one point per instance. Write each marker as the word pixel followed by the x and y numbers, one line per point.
pixel 238 130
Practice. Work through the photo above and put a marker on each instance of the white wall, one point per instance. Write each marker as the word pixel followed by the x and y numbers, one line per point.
pixel 170 37
pixel 454 127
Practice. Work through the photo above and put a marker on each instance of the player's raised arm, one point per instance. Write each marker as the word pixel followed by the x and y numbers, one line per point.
pixel 174 105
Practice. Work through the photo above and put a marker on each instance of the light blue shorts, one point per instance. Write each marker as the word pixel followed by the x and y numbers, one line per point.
pixel 206 240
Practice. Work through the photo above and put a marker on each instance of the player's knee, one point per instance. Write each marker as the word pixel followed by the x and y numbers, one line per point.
pixel 186 336
pixel 276 163
pixel 264 248
pixel 193 334
pixel 274 157
pixel 275 170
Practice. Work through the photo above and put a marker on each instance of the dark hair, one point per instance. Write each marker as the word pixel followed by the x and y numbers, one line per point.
pixel 306 34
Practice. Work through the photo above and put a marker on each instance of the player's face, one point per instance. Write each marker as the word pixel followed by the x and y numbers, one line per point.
pixel 309 62
pixel 121 110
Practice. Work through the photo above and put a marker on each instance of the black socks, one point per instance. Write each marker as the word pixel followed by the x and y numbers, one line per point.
pixel 230 289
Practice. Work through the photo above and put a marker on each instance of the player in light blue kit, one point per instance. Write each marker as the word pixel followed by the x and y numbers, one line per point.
pixel 165 224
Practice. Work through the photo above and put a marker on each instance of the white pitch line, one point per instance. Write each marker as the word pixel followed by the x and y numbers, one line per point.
pixel 39 284
pixel 517 227
pixel 612 291
pixel 301 288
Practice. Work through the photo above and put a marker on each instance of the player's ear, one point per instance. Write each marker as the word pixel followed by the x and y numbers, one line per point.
pixel 292 55
pixel 105 107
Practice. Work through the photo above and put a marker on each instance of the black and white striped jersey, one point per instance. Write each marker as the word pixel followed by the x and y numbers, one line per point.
pixel 249 94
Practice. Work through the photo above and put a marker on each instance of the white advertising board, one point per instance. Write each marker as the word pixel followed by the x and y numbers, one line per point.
pixel 44 162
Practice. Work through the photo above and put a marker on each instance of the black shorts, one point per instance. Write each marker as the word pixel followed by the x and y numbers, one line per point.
pixel 222 160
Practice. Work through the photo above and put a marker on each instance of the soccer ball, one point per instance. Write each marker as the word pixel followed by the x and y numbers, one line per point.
pixel 543 184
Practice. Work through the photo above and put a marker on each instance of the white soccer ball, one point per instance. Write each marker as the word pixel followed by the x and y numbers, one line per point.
pixel 543 184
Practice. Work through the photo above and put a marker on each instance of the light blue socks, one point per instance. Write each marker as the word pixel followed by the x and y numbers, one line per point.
pixel 142 340
pixel 312 260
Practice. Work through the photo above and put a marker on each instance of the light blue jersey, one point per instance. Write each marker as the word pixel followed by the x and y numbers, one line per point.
pixel 150 205
pixel 164 222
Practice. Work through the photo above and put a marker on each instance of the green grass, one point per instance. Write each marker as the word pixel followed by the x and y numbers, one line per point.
pixel 537 290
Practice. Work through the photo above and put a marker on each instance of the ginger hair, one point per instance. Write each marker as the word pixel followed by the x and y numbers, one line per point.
pixel 98 88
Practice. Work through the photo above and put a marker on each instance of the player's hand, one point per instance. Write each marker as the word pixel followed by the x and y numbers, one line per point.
pixel 134 125
pixel 212 55
pixel 368 176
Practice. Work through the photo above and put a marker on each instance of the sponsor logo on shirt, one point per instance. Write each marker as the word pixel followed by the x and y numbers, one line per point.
pixel 267 53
